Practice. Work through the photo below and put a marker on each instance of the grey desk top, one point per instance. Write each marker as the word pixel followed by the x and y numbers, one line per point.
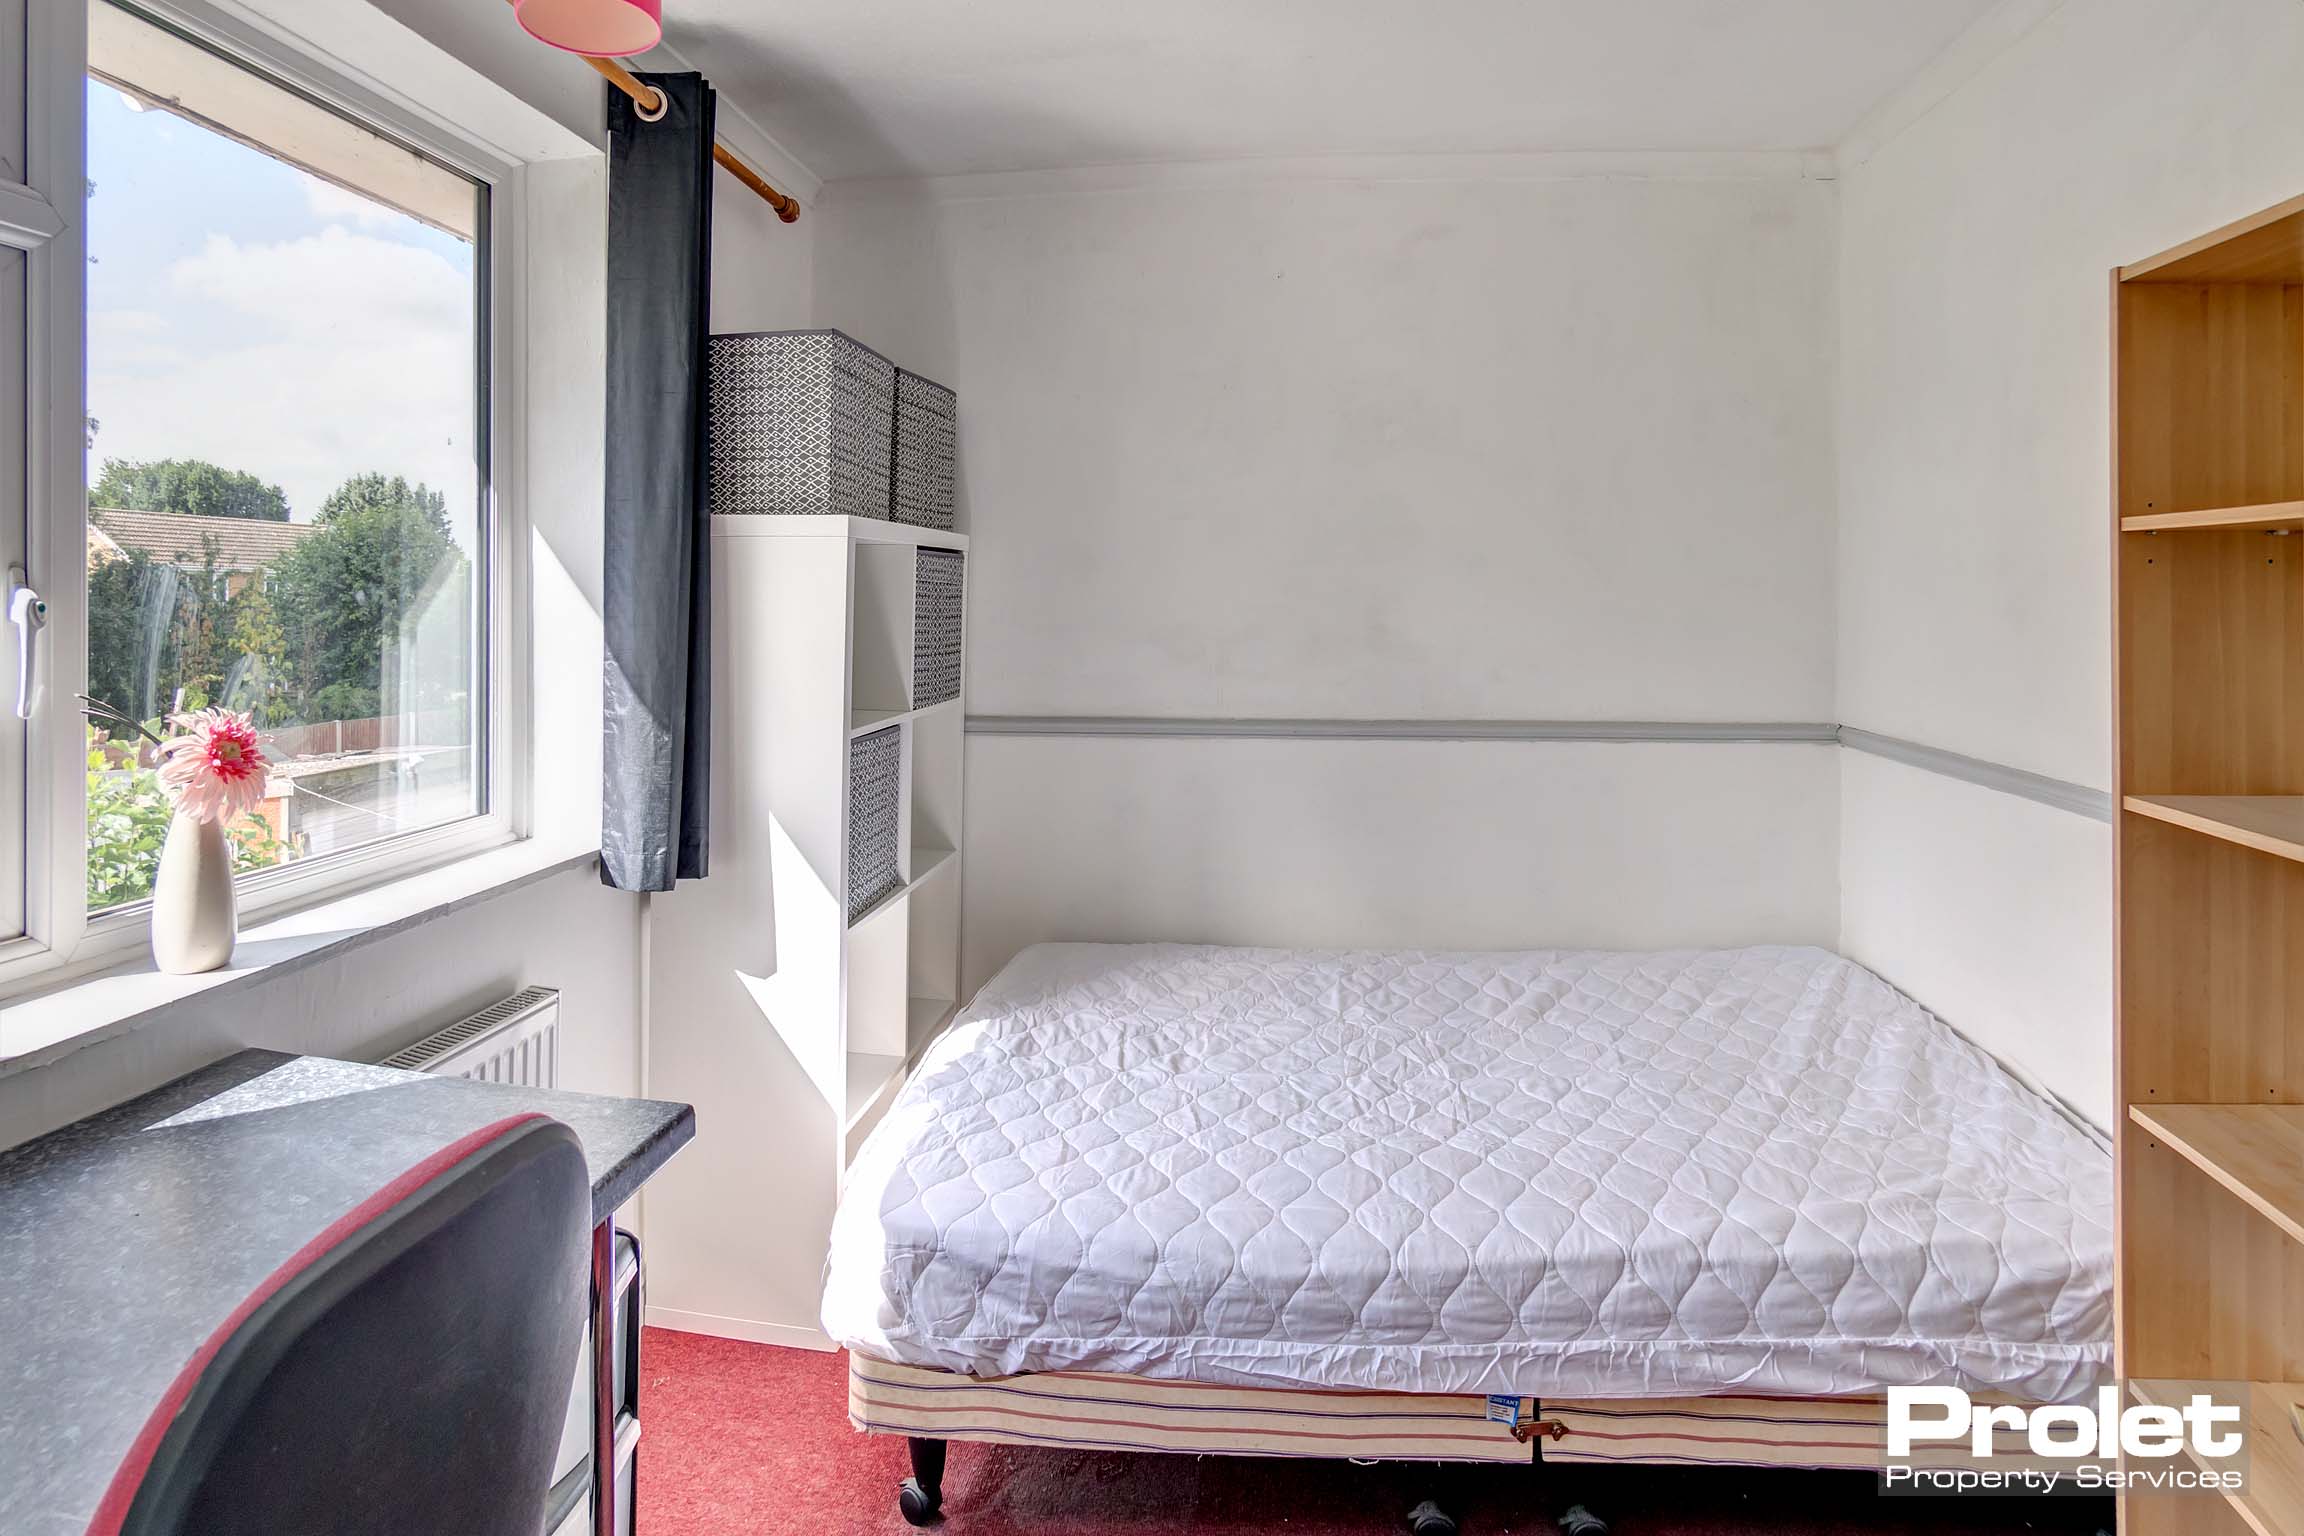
pixel 127 1238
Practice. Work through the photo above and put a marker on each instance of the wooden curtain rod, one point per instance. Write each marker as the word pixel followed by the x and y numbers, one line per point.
pixel 645 98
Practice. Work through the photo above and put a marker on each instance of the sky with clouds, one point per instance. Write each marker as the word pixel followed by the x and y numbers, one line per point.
pixel 245 312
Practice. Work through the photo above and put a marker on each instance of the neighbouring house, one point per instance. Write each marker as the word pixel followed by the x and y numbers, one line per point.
pixel 238 547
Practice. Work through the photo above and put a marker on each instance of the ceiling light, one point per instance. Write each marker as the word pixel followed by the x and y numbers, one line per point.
pixel 608 29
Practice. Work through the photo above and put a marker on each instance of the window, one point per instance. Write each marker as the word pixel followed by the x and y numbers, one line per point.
pixel 286 456
pixel 248 310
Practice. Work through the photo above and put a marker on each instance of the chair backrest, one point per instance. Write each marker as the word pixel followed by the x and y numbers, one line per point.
pixel 405 1374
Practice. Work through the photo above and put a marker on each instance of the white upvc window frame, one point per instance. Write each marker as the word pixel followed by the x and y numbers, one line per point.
pixel 43 216
pixel 60 935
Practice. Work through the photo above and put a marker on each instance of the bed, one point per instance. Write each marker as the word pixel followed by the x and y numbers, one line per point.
pixel 1613 1205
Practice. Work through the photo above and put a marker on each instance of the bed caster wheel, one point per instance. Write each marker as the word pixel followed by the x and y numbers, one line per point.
pixel 1429 1519
pixel 919 1507
pixel 920 1497
pixel 1579 1521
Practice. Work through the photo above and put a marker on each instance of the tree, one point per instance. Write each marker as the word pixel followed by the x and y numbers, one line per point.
pixel 307 640
pixel 125 656
pixel 258 682
pixel 191 486
pixel 156 630
pixel 377 549
pixel 201 624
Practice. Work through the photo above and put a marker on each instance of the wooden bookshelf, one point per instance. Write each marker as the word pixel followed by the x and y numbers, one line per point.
pixel 2208 617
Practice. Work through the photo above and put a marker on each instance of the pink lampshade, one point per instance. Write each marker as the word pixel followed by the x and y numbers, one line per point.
pixel 607 29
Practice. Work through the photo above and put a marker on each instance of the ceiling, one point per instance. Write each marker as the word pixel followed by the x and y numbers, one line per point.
pixel 863 88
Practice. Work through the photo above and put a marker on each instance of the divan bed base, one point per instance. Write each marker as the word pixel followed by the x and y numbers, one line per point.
pixel 1091 1411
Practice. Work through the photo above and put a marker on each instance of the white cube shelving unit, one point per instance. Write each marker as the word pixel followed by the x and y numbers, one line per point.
pixel 830 638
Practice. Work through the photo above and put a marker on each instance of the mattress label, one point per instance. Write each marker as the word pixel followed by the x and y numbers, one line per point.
pixel 1511 1410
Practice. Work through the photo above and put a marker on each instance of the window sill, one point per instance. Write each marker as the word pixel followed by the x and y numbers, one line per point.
pixel 39 1026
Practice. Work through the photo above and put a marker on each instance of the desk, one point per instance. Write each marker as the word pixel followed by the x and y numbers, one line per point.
pixel 127 1238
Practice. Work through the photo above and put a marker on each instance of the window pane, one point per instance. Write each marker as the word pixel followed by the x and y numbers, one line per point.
pixel 285 455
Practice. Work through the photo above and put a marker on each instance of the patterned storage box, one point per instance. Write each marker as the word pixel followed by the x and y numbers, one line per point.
pixel 924 492
pixel 799 422
pixel 936 594
pixel 875 817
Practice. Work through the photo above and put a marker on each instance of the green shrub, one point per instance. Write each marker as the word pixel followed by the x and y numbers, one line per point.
pixel 127 821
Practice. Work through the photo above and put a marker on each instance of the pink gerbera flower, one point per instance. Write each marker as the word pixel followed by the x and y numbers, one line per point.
pixel 215 770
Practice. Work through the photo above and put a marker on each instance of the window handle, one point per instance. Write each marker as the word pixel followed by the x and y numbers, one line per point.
pixel 28 611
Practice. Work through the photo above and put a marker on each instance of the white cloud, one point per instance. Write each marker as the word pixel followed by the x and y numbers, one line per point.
pixel 132 340
pixel 303 362
pixel 122 323
pixel 331 202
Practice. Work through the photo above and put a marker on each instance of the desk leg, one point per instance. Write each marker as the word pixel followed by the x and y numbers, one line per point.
pixel 604 1379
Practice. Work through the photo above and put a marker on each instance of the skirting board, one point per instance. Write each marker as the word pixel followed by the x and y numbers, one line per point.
pixel 741 1328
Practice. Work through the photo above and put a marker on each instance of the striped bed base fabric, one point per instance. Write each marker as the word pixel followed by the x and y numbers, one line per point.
pixel 1810 1432
pixel 1133 1413
pixel 1722 1431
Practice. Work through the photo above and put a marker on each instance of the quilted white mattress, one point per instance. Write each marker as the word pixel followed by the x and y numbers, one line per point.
pixel 1557 1174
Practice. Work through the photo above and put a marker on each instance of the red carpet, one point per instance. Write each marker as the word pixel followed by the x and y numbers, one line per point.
pixel 748 1439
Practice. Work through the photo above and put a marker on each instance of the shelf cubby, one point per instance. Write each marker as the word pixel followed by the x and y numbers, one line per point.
pixel 880 622
pixel 938 740
pixel 871 1078
pixel 938 591
pixel 2256 1151
pixel 2211 942
pixel 934 970
pixel 876 819
pixel 2274 1502
pixel 2211 414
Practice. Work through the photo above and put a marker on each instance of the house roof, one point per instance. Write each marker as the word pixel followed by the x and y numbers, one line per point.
pixel 177 538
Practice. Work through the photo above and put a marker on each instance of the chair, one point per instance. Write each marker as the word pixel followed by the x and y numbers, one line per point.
pixel 406 1374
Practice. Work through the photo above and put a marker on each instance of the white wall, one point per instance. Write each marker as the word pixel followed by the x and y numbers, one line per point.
pixel 1974 480
pixel 1994 910
pixel 1446 845
pixel 1384 449
pixel 763 270
pixel 1537 446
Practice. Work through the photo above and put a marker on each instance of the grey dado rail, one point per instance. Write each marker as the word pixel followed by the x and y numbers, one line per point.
pixel 1402 730
pixel 2060 793
pixel 2063 794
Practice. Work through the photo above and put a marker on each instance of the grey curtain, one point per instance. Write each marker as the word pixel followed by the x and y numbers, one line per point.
pixel 657 598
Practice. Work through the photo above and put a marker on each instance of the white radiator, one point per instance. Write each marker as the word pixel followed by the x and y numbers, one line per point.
pixel 514 1041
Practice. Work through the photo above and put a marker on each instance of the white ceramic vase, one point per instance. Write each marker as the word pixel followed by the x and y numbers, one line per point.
pixel 194 918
